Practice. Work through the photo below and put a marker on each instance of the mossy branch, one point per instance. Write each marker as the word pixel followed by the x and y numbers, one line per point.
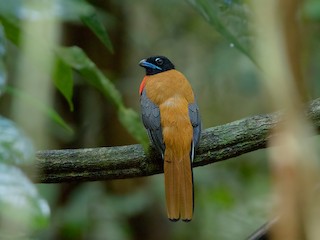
pixel 217 144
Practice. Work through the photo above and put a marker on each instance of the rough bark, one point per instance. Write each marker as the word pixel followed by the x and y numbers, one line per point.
pixel 217 144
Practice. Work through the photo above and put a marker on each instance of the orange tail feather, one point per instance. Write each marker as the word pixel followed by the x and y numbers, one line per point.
pixel 178 186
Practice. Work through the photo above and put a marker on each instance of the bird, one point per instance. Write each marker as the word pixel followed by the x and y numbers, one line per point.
pixel 171 117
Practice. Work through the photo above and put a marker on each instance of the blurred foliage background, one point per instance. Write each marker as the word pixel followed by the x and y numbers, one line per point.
pixel 69 78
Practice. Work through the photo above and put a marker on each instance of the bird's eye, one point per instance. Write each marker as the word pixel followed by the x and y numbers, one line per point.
pixel 158 61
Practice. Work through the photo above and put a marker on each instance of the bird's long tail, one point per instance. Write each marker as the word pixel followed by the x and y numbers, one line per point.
pixel 178 186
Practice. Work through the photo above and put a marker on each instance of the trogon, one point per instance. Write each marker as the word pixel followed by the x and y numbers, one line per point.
pixel 171 116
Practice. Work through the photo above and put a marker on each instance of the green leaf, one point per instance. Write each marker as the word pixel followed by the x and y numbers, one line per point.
pixel 11 29
pixel 231 19
pixel 15 147
pixel 22 210
pixel 77 59
pixel 93 22
pixel 51 113
pixel 63 80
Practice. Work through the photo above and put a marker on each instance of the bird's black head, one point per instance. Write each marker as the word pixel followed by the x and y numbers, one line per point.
pixel 156 64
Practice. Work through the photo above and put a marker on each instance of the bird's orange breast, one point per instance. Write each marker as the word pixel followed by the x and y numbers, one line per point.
pixel 162 86
pixel 171 91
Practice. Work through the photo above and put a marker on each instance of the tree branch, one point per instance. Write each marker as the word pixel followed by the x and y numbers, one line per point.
pixel 217 144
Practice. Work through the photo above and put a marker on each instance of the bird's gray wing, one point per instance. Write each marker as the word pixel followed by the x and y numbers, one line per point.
pixel 194 116
pixel 151 120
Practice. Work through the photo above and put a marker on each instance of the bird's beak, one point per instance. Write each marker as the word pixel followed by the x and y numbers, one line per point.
pixel 145 64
